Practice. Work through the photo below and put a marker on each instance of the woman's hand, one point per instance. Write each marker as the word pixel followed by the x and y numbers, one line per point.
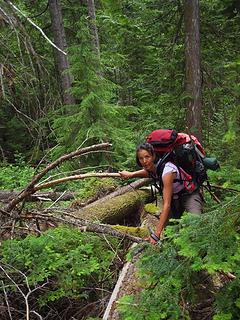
pixel 126 174
pixel 134 174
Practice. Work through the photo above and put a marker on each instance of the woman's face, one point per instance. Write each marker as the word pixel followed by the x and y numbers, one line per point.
pixel 147 160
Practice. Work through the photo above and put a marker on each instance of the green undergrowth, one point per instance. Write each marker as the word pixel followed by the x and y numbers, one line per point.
pixel 64 262
pixel 15 176
pixel 173 274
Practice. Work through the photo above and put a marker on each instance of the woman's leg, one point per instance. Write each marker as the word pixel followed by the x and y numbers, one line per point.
pixel 192 202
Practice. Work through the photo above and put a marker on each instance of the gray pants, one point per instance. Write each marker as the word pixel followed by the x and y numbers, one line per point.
pixel 186 202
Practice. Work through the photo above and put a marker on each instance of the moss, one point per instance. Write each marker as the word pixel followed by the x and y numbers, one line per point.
pixel 140 232
pixel 151 208
pixel 117 208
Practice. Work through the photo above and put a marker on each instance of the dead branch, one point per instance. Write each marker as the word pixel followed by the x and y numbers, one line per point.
pixel 76 177
pixel 29 290
pixel 82 224
pixel 36 26
pixel 212 194
pixel 30 187
pixel 7 195
pixel 224 188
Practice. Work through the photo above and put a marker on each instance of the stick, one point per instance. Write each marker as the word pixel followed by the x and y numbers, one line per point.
pixel 223 188
pixel 212 194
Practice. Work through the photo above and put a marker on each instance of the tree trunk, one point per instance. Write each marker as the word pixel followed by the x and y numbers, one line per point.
pixel 62 63
pixel 193 72
pixel 93 27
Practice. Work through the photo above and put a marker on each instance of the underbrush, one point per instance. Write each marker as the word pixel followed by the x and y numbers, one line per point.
pixel 61 269
pixel 193 273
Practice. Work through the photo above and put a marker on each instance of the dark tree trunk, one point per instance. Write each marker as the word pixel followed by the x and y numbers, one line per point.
pixel 62 63
pixel 93 26
pixel 193 71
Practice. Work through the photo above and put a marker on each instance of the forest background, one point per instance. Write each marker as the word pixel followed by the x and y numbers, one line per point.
pixel 78 73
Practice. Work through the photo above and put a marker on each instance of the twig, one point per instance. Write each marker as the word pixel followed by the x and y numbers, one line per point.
pixel 224 188
pixel 30 291
pixel 36 313
pixel 56 201
pixel 6 299
pixel 13 228
pixel 37 27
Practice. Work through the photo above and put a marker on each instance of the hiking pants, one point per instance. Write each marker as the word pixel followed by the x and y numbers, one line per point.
pixel 192 203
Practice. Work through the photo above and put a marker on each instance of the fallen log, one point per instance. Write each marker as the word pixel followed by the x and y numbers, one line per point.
pixel 7 195
pixel 116 209
pixel 130 187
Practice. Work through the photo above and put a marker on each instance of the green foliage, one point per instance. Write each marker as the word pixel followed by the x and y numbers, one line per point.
pixel 70 260
pixel 227 176
pixel 15 176
pixel 171 273
pixel 94 186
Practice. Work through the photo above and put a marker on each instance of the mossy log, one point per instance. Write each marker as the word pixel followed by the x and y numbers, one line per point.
pixel 117 209
pixel 128 188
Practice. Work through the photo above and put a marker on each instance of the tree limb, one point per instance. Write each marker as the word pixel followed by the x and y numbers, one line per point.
pixel 30 187
pixel 76 177
pixel 82 224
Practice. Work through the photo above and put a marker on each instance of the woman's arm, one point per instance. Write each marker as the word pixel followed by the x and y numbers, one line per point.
pixel 167 199
pixel 135 174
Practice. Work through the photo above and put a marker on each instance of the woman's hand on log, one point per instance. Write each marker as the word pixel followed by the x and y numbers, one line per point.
pixel 126 174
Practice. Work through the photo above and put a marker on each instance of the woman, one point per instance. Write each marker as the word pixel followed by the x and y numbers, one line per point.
pixel 175 200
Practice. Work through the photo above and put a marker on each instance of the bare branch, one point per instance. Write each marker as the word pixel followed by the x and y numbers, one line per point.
pixel 30 291
pixel 6 299
pixel 83 225
pixel 76 177
pixel 30 187
pixel 36 26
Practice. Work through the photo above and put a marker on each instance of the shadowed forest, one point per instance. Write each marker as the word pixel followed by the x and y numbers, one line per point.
pixel 82 83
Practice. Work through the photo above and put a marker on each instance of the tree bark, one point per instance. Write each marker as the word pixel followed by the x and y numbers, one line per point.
pixel 93 26
pixel 193 85
pixel 62 63
pixel 128 280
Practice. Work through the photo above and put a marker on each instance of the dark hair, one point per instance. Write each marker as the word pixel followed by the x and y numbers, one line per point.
pixel 144 146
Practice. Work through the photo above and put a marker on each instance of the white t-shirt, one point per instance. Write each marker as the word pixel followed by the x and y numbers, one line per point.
pixel 170 167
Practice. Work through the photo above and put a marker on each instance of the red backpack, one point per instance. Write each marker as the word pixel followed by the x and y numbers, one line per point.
pixel 185 151
pixel 165 140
